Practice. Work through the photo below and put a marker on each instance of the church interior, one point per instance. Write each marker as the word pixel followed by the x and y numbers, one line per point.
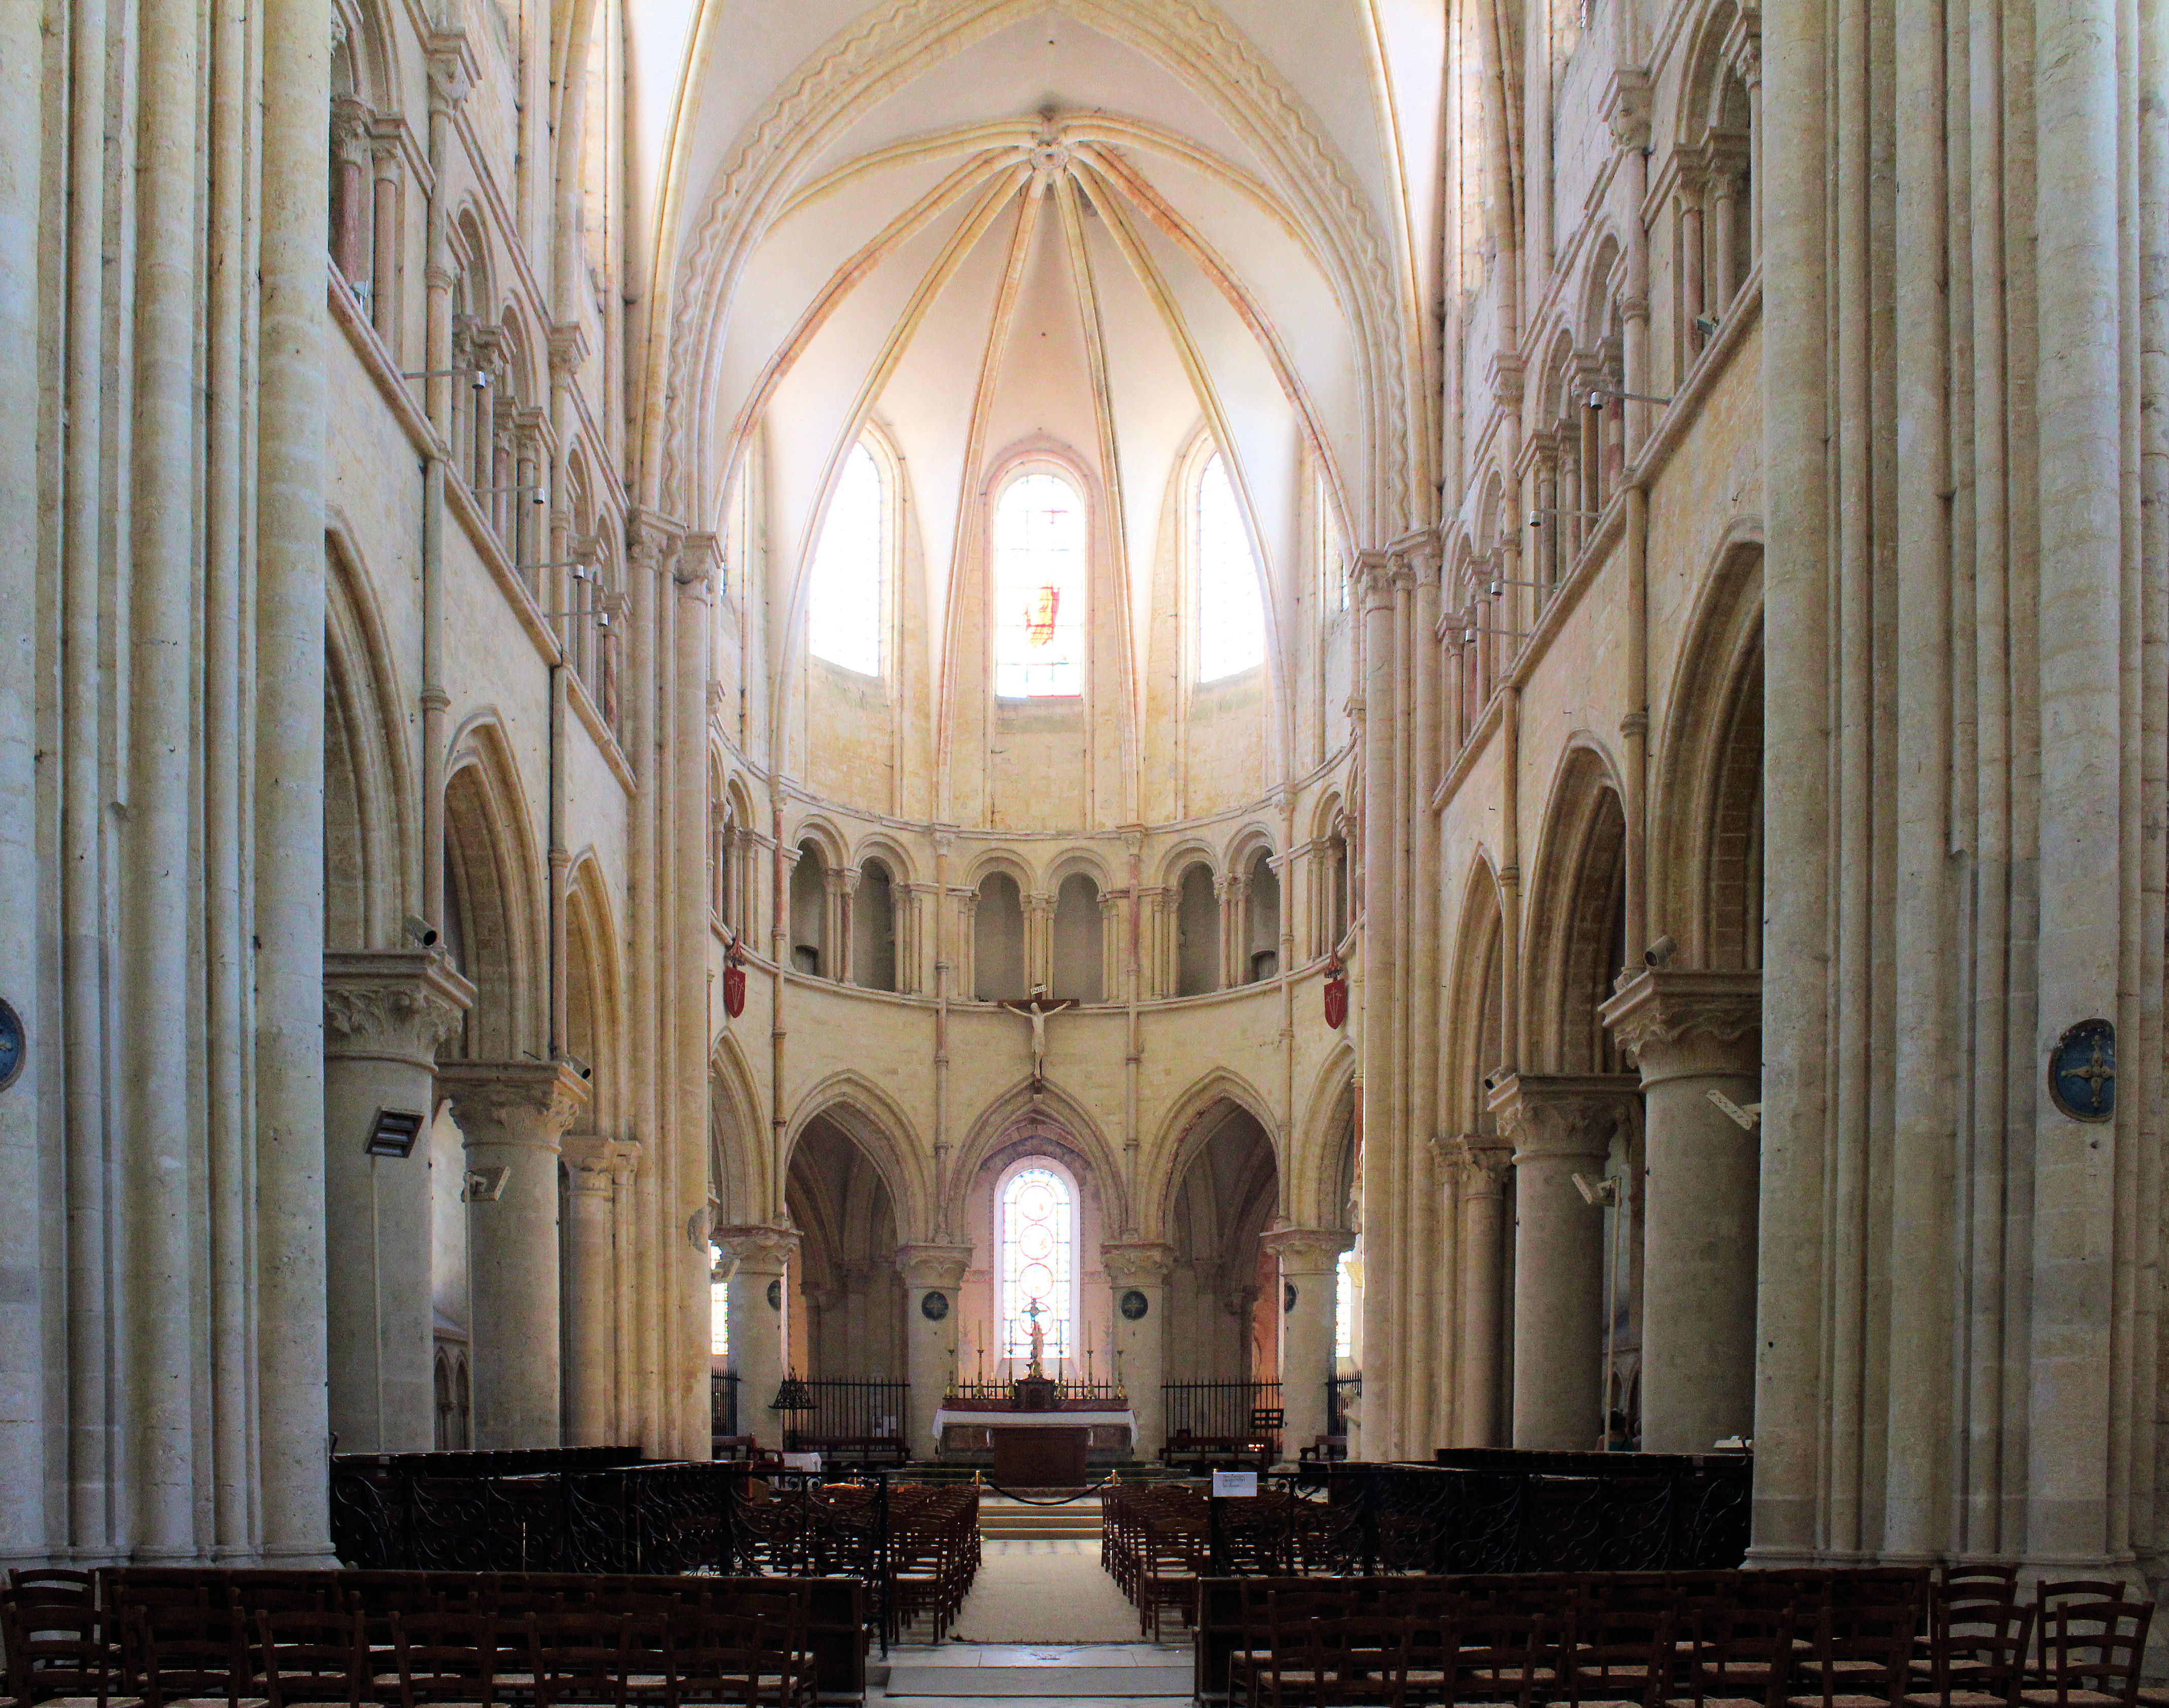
pixel 1063 743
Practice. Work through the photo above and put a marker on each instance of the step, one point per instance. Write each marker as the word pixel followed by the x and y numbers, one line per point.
pixel 911 1680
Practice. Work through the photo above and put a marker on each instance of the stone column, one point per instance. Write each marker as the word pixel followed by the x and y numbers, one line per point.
pixel 755 1305
pixel 1137 1275
pixel 1480 1160
pixel 385 1012
pixel 512 1115
pixel 1561 1125
pixel 1306 1258
pixel 593 1164
pixel 931 1276
pixel 1692 1034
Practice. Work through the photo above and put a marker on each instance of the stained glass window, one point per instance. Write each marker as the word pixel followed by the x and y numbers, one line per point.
pixel 1039 588
pixel 843 610
pixel 1231 610
pixel 1344 1305
pixel 1035 1244
pixel 719 1319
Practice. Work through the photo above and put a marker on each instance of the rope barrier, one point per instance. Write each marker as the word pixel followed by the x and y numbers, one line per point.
pixel 1064 1501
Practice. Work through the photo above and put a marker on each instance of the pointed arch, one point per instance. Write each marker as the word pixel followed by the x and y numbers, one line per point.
pixel 1475 997
pixel 594 996
pixel 1190 1120
pixel 881 1128
pixel 1575 949
pixel 370 858
pixel 746 1187
pixel 1706 771
pixel 1312 1195
pixel 992 1128
pixel 492 891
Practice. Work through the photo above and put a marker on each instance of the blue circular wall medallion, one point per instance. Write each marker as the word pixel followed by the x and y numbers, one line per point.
pixel 12 1046
pixel 2082 1071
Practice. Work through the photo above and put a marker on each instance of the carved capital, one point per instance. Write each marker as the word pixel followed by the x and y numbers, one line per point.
pixel 1625 106
pixel 1552 1116
pixel 454 70
pixel 568 348
pixel 1139 1263
pixel 528 1103
pixel 761 1248
pixel 1374 579
pixel 1742 46
pixel 933 1266
pixel 593 1164
pixel 1478 1160
pixel 1308 1251
pixel 1696 1021
pixel 394 1005
pixel 351 136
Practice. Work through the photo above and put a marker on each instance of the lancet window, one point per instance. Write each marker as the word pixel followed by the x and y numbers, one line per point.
pixel 847 599
pixel 1230 607
pixel 1039 588
pixel 1037 1242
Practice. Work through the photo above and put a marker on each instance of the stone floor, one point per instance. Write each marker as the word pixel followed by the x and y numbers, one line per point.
pixel 1087 1655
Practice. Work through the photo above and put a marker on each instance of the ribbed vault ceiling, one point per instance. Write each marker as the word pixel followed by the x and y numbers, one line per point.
pixel 1048 237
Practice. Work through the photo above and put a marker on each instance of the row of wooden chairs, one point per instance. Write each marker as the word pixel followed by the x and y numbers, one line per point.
pixel 934 1557
pixel 1156 1542
pixel 167 1637
pixel 1877 1638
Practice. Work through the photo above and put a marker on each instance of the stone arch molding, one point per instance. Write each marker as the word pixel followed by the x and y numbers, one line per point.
pixel 878 1125
pixel 1059 1107
pixel 1310 1192
pixel 892 45
pixel 1184 1132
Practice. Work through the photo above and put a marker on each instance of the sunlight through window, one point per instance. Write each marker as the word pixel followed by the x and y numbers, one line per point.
pixel 1039 588
pixel 1035 1243
pixel 843 616
pixel 1231 612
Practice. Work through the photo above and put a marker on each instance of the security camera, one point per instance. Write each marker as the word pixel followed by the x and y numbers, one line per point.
pixel 1661 952
pixel 484 1185
pixel 584 1070
pixel 1596 1193
pixel 1491 1080
pixel 479 379
pixel 421 932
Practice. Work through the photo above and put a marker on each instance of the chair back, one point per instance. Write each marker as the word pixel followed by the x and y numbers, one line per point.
pixel 2093 1647
pixel 313 1657
pixel 443 1656
pixel 54 1649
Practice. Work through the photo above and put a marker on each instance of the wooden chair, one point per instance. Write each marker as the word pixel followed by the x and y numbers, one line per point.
pixel 1740 1654
pixel 443 1658
pixel 1498 1654
pixel 2091 1650
pixel 177 1654
pixel 716 1659
pixel 310 1656
pixel 1351 1661
pixel 1979 1662
pixel 577 1657
pixel 58 1652
pixel 1618 1654
pixel 1861 1656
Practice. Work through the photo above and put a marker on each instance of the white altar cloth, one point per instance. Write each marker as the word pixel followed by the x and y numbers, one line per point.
pixel 1035 1420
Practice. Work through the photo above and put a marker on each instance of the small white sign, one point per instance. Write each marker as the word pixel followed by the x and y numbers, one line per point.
pixel 802 1461
pixel 1239 1485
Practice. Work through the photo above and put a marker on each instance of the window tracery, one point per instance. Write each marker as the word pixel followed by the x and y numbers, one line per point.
pixel 1036 1243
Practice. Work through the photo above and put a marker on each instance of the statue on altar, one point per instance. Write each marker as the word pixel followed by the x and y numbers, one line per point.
pixel 1034 1390
pixel 1037 1369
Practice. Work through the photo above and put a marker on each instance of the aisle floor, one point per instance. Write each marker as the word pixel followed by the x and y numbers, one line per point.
pixel 1043 1623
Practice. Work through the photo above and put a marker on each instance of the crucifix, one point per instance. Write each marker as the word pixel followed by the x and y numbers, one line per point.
pixel 1036 1011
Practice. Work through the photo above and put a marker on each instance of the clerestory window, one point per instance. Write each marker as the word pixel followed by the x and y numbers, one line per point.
pixel 1230 607
pixel 848 595
pixel 1039 588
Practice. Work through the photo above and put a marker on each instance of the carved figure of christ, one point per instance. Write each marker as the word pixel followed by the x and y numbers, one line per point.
pixel 1035 1011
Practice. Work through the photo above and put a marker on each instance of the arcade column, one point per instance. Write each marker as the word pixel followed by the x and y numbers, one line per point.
pixel 1307 1258
pixel 755 1305
pixel 931 1276
pixel 512 1116
pixel 1136 1274
pixel 1561 1126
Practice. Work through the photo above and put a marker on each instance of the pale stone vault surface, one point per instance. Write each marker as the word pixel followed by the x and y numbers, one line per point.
pixel 1527 636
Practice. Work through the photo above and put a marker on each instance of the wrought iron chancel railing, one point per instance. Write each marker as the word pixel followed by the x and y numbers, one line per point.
pixel 1513 1512
pixel 828 1411
pixel 1217 1410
